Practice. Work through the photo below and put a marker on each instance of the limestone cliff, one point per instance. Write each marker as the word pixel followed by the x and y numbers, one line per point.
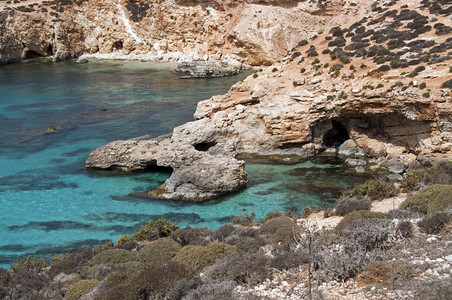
pixel 254 32
pixel 380 86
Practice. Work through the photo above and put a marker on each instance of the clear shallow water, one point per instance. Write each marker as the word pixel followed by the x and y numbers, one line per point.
pixel 50 204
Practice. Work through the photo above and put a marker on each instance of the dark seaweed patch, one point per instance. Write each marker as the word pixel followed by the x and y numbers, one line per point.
pixel 128 217
pixel 22 182
pixel 51 226
pixel 77 152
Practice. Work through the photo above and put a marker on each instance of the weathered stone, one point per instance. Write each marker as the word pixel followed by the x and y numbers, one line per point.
pixel 212 68
pixel 197 175
pixel 348 148
pixel 355 161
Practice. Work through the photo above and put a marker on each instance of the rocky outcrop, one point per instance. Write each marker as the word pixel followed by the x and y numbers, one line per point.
pixel 391 105
pixel 197 175
pixel 211 68
pixel 253 32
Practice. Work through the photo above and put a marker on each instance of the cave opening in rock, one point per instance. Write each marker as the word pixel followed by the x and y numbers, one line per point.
pixel 50 49
pixel 204 146
pixel 336 135
pixel 31 54
pixel 117 45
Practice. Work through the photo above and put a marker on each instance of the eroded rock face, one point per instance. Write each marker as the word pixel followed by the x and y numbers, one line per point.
pixel 211 68
pixel 309 102
pixel 197 175
pixel 248 31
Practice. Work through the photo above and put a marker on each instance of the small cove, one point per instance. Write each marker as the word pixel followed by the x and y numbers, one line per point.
pixel 51 204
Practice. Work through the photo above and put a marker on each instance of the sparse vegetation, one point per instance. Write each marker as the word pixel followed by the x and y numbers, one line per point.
pixel 374 189
pixel 435 198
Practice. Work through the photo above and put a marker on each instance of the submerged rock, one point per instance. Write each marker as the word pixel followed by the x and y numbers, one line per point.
pixel 212 68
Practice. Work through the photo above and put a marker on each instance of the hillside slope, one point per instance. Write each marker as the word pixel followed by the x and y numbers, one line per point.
pixel 255 32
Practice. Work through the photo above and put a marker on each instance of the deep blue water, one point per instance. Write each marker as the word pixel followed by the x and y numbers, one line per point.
pixel 50 204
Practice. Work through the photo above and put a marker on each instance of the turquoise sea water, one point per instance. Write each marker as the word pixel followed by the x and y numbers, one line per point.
pixel 50 204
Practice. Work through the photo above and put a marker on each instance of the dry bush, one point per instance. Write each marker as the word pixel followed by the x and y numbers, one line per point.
pixel 437 290
pixel 405 229
pixel 230 233
pixel 250 268
pixel 374 274
pixel 347 204
pixel 433 224
pixel 290 259
pixel 248 244
pixel 193 236
pixel 358 218
pixel 218 290
pixel 72 263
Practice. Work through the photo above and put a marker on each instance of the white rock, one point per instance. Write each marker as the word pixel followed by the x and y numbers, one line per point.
pixel 355 161
pixel 432 239
pixel 449 258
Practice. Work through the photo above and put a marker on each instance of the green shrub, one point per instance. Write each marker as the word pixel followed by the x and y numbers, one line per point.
pixel 31 263
pixel 245 220
pixel 374 189
pixel 146 282
pixel 279 230
pixel 433 199
pixel 302 70
pixel 154 230
pixel 80 288
pixel 198 257
pixel 348 204
pixel 159 251
pixel 413 178
pixel 358 217
pixel 276 213
pixel 422 85
pixel 433 224
pixel 255 75
pixel 272 225
pixel 426 95
pixel 380 85
pixel 274 69
pixel 316 61
pixel 113 256
pixel 295 84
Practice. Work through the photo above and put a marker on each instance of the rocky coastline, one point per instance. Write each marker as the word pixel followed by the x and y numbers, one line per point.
pixel 319 97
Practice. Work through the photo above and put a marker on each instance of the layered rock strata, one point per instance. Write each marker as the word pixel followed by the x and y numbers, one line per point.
pixel 394 104
pixel 211 68
pixel 197 175
pixel 253 32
